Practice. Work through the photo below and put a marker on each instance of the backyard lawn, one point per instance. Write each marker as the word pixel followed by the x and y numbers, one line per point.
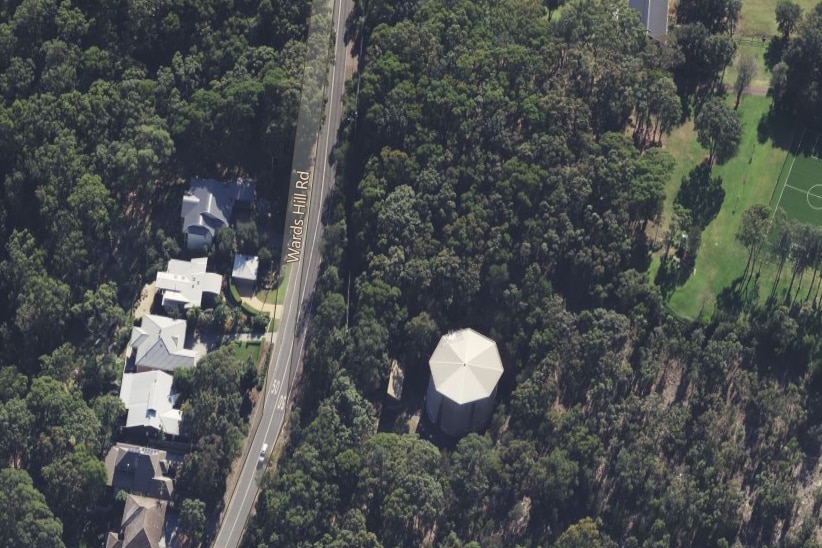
pixel 749 178
pixel 245 350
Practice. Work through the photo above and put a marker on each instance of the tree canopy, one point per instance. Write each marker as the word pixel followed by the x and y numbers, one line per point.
pixel 498 171
pixel 718 129
pixel 796 87
pixel 106 110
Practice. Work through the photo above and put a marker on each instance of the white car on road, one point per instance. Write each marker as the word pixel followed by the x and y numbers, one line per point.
pixel 262 453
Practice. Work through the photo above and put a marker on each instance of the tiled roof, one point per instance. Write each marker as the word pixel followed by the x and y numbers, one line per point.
pixel 143 520
pixel 139 470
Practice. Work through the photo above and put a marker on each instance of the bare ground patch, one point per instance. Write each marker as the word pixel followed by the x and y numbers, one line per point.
pixel 668 381
pixel 809 498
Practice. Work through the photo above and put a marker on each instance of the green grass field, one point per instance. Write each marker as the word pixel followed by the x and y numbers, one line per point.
pixel 757 16
pixel 800 189
pixel 748 178
pixel 763 75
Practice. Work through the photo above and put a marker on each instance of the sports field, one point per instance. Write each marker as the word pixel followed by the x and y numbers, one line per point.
pixel 799 190
pixel 749 178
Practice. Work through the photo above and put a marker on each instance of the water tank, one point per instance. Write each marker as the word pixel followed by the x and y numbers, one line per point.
pixel 465 369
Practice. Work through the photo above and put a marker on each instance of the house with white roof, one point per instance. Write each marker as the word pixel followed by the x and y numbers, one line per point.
pixel 208 205
pixel 184 283
pixel 244 273
pixel 150 402
pixel 158 344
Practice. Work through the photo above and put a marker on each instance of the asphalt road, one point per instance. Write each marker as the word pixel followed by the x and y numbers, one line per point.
pixel 290 341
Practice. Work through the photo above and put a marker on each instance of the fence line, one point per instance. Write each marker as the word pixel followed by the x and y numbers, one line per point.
pixel 761 42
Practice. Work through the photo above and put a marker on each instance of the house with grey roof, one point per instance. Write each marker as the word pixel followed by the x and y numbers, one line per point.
pixel 185 282
pixel 244 273
pixel 149 400
pixel 142 524
pixel 138 470
pixel 654 16
pixel 158 343
pixel 208 205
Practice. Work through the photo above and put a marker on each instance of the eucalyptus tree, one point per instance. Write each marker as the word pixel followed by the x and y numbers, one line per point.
pixel 746 72
pixel 788 16
pixel 25 518
pixel 753 233
pixel 718 129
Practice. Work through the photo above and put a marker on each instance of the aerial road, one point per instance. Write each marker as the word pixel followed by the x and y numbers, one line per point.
pixel 302 247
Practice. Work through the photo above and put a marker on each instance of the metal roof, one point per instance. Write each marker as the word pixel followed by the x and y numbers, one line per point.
pixel 654 16
pixel 185 282
pixel 208 203
pixel 158 344
pixel 465 366
pixel 150 402
pixel 245 267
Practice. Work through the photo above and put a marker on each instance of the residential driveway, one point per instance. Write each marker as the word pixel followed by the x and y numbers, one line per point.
pixel 250 298
pixel 268 308
pixel 146 299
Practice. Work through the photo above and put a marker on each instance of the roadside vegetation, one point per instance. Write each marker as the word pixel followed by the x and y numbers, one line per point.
pixel 106 111
pixel 507 177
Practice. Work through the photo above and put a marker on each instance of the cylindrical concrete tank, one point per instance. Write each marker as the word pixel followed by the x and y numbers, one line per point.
pixel 465 369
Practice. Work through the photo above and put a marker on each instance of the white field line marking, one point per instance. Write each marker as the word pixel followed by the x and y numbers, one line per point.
pixel 807 192
pixel 788 176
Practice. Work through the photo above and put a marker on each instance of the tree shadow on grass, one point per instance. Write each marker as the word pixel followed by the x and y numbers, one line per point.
pixel 672 273
pixel 741 295
pixel 776 127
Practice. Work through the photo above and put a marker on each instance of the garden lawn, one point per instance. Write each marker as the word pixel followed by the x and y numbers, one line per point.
pixel 758 17
pixel 748 179
pixel 244 351
pixel 268 295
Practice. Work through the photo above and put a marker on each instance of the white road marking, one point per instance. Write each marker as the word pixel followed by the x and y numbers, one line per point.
pixel 251 454
pixel 282 399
